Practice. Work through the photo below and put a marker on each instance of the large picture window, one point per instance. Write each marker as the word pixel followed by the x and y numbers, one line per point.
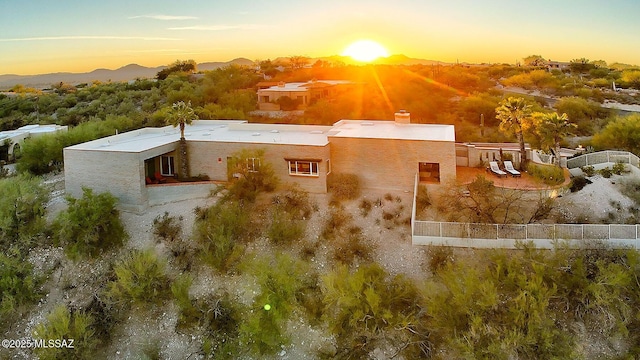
pixel 303 167
pixel 167 166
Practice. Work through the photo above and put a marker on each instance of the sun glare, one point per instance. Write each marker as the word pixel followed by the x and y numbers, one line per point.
pixel 365 51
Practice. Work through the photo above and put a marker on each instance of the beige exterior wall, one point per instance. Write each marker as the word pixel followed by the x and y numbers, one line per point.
pixel 389 163
pixel 120 173
pixel 210 158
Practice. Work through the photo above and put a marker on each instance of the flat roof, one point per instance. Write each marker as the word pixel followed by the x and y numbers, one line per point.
pixel 304 86
pixel 211 130
pixel 379 129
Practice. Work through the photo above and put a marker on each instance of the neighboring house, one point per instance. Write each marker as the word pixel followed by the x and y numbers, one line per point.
pixel 10 141
pixel 558 65
pixel 384 154
pixel 301 92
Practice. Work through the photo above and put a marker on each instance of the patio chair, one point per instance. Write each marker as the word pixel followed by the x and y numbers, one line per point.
pixel 159 177
pixel 495 169
pixel 508 166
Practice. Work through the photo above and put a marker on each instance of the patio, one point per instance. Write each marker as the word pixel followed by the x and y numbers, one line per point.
pixel 466 175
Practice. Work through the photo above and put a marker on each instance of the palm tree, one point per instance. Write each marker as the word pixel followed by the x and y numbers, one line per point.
pixel 514 114
pixel 552 128
pixel 182 114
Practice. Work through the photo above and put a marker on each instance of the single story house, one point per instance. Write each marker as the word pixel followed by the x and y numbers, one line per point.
pixel 384 154
pixel 10 140
pixel 302 92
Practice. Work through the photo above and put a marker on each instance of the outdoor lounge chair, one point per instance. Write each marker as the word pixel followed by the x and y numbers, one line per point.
pixel 495 169
pixel 161 179
pixel 508 166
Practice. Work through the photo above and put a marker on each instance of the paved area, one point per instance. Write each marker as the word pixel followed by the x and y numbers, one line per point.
pixel 466 175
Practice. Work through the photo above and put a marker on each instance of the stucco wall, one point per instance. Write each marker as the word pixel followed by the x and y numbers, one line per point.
pixel 210 158
pixel 389 163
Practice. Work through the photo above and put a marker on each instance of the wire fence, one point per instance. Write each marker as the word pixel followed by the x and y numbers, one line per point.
pixel 602 157
pixel 526 232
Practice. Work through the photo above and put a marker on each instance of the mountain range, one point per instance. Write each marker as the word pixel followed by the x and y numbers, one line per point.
pixel 135 71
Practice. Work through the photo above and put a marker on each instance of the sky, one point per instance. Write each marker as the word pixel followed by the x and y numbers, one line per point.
pixel 43 36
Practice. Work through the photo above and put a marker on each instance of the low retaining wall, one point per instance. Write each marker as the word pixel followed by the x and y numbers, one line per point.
pixel 167 193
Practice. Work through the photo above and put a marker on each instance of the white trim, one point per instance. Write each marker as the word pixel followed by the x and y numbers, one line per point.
pixel 171 164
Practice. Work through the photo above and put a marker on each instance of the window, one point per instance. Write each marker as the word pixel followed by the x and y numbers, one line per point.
pixel 167 166
pixel 253 164
pixel 303 167
pixel 429 171
pixel 328 166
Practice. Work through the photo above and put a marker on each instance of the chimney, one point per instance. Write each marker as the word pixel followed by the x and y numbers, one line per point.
pixel 402 117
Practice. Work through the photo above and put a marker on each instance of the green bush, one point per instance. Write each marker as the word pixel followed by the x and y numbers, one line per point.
pixel 284 229
pixel 22 211
pixel 63 324
pixel 578 182
pixel 220 232
pixel 618 168
pixel 139 278
pixel 606 172
pixel 588 171
pixel 344 186
pixel 548 174
pixel 18 287
pixel 249 175
pixel 90 225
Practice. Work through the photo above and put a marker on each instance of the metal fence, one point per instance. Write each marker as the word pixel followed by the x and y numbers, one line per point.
pixel 602 157
pixel 526 232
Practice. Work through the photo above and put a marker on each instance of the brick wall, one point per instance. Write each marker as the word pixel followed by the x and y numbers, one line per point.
pixel 389 163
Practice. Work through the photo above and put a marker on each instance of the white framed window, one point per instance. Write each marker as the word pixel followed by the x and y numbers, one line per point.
pixel 304 167
pixel 167 165
pixel 328 166
pixel 253 164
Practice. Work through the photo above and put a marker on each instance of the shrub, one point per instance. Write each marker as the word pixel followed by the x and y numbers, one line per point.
pixel 18 286
pixel 167 228
pixel 63 324
pixel 295 202
pixel 588 170
pixel 631 188
pixel 139 278
pixel 220 232
pixel 618 168
pixel 249 175
pixel 344 186
pixel 578 182
pixel 337 219
pixel 22 210
pixel 440 256
pixel 423 200
pixel 365 207
pixel 284 229
pixel 606 172
pixel 550 175
pixel 90 225
pixel 351 247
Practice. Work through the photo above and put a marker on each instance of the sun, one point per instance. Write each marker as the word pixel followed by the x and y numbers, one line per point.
pixel 365 51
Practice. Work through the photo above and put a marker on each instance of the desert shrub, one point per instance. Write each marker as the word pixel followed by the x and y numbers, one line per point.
pixel 439 258
pixel 548 174
pixel 365 207
pixel 631 188
pixel 18 286
pixel 249 175
pixel 423 200
pixel 366 303
pixel 22 210
pixel 388 197
pixel 139 278
pixel 282 279
pixel 618 168
pixel 188 314
pixel 294 201
pixel 344 186
pixel 351 247
pixel 64 324
pixel 588 170
pixel 578 182
pixel 167 228
pixel 220 232
pixel 337 219
pixel 284 229
pixel 90 225
pixel 606 172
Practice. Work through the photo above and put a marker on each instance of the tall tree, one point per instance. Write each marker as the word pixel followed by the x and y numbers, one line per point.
pixel 514 114
pixel 534 60
pixel 182 114
pixel 553 128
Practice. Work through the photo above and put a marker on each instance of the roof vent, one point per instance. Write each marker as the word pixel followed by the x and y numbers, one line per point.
pixel 367 123
pixel 316 132
pixel 275 131
pixel 255 134
pixel 281 84
pixel 403 117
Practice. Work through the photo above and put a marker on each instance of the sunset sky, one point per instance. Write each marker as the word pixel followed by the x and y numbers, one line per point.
pixel 38 36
